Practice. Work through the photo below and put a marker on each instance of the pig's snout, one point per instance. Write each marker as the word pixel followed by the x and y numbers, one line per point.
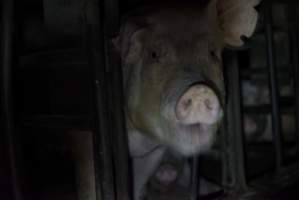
pixel 199 104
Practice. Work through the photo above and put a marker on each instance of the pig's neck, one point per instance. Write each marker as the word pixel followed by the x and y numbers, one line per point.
pixel 139 144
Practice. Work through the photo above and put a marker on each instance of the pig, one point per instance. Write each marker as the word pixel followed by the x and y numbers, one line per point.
pixel 173 82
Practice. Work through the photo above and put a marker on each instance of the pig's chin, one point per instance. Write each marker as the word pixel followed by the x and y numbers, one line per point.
pixel 187 139
pixel 193 138
pixel 190 139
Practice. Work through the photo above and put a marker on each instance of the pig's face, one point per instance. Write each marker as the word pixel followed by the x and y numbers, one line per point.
pixel 173 75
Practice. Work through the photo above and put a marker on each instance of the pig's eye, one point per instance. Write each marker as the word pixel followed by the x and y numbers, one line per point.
pixel 214 56
pixel 155 57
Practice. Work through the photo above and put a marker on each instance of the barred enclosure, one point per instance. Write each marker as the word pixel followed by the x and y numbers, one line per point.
pixel 62 116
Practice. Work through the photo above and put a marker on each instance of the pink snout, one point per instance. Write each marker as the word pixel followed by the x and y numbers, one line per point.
pixel 199 104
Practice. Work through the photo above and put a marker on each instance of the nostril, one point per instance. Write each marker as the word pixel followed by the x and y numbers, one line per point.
pixel 208 104
pixel 187 104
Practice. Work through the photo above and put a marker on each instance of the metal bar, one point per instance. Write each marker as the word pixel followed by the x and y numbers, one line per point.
pixel 195 177
pixel 116 107
pixel 114 170
pixel 111 17
pixel 273 82
pixel 284 71
pixel 226 130
pixel 79 122
pixel 295 68
pixel 292 2
pixel 118 132
pixel 295 63
pixel 224 157
pixel 102 147
pixel 235 123
pixel 7 23
pixel 287 105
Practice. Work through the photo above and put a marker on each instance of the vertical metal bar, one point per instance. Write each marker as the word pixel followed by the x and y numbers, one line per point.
pixel 273 82
pixel 116 106
pixel 111 20
pixel 7 22
pixel 226 130
pixel 118 132
pixel 295 63
pixel 102 147
pixel 224 154
pixel 114 171
pixel 235 123
pixel 195 179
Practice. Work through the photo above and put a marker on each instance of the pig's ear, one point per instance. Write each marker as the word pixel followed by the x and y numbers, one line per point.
pixel 126 37
pixel 237 18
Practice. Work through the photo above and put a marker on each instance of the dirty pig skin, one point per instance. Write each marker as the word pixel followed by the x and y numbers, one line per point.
pixel 173 82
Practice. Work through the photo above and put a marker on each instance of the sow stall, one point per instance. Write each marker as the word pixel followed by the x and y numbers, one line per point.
pixel 52 86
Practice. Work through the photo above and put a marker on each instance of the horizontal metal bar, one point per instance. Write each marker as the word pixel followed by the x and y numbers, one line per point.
pixel 60 58
pixel 264 110
pixel 287 177
pixel 57 121
pixel 284 71
pixel 285 1
pixel 287 105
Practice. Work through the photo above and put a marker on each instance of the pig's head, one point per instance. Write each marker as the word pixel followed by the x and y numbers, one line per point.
pixel 172 66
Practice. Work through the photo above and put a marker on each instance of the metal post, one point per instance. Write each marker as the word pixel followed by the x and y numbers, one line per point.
pixel 273 82
pixel 116 104
pixel 195 179
pixel 111 144
pixel 224 155
pixel 7 22
pixel 235 125
pixel 104 179
pixel 295 63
